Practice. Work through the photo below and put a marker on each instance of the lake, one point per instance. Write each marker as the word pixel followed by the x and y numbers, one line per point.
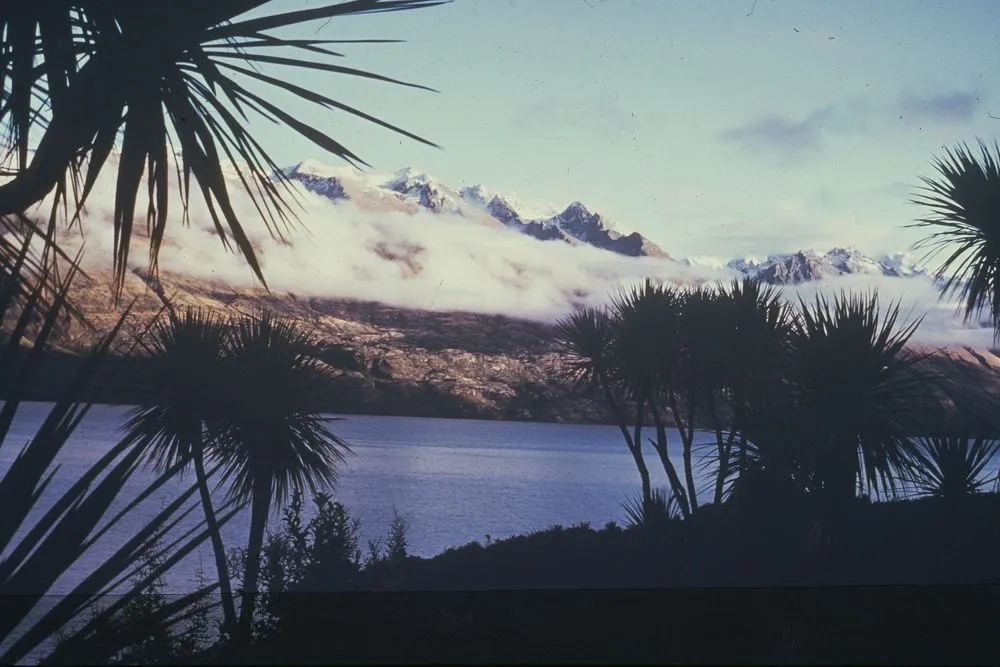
pixel 454 481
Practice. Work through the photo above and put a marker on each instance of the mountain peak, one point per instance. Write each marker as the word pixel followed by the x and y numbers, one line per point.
pixel 575 224
pixel 319 178
pixel 577 208
pixel 408 177
pixel 806 265
pixel 475 194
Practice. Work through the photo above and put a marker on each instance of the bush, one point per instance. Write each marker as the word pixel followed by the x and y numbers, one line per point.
pixel 156 643
pixel 322 554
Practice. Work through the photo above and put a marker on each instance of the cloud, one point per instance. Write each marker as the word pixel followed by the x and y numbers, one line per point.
pixel 789 136
pixel 941 322
pixel 446 262
pixel 560 118
pixel 942 108
pixel 418 260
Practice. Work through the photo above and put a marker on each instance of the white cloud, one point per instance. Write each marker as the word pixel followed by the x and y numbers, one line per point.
pixel 419 260
pixel 447 262
pixel 942 324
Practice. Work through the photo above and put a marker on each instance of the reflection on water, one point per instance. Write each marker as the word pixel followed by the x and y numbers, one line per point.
pixel 454 481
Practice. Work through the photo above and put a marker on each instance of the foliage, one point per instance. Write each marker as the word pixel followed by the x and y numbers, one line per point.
pixel 70 86
pixel 826 397
pixel 854 394
pixel 588 339
pixel 704 355
pixel 963 203
pixel 61 539
pixel 320 554
pixel 183 380
pixel 952 467
pixel 397 541
pixel 270 436
pixel 653 514
pixel 161 644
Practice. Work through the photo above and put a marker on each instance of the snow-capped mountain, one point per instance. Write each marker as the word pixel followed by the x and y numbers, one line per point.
pixel 412 190
pixel 807 265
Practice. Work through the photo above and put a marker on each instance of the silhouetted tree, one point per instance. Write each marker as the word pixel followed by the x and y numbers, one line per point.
pixel 853 395
pixel 952 467
pixel 645 356
pixel 587 338
pixel 964 203
pixel 271 438
pixel 181 393
pixel 753 356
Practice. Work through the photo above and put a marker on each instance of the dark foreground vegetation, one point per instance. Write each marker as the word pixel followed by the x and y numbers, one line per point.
pixel 910 581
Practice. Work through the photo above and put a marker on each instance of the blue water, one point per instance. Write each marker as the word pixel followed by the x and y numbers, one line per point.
pixel 454 481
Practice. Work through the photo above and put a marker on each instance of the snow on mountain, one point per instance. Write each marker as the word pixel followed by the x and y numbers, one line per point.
pixel 410 190
pixel 705 262
pixel 414 190
pixel 904 264
pixel 426 191
pixel 477 195
pixel 319 179
pixel 808 265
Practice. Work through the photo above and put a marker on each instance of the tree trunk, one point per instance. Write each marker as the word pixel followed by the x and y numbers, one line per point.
pixel 225 583
pixel 260 507
pixel 640 464
pixel 723 447
pixel 634 448
pixel 687 436
pixel 668 466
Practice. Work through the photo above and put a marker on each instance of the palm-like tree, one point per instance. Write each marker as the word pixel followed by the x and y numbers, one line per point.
pixel 645 358
pixel 72 89
pixel 61 535
pixel 180 396
pixel 854 395
pixel 587 337
pixel 951 467
pixel 964 204
pixel 753 356
pixel 271 438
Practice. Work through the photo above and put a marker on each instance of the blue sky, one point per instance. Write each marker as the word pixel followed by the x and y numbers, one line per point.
pixel 710 128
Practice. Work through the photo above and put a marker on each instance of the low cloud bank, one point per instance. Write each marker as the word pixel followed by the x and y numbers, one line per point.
pixel 445 262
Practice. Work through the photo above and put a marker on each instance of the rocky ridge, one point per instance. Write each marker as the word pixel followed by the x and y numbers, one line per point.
pixel 436 364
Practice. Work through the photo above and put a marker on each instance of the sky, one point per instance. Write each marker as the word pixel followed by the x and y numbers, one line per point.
pixel 723 128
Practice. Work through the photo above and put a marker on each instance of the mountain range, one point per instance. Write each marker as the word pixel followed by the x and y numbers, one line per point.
pixel 410 190
pixel 477 357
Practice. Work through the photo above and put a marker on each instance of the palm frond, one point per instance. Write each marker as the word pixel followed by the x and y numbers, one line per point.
pixel 855 391
pixel 87 98
pixel 272 430
pixel 586 338
pixel 647 338
pixel 35 557
pixel 964 204
pixel 655 513
pixel 182 379
pixel 952 467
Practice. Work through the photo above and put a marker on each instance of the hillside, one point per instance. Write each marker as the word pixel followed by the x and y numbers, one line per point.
pixel 435 364
pixel 394 361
